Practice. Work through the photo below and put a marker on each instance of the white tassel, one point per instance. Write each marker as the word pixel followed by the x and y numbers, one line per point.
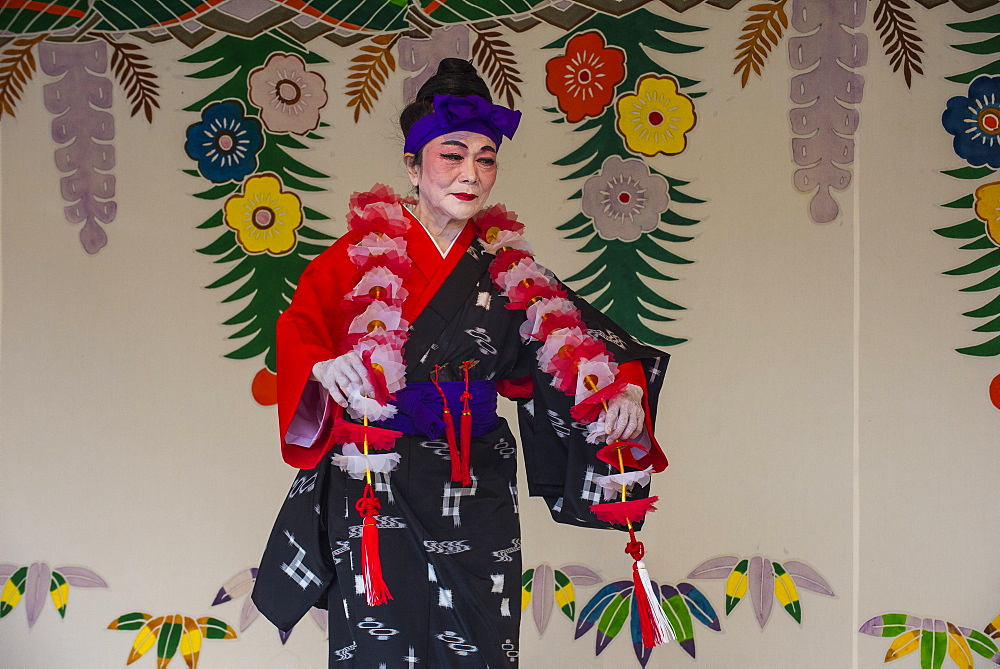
pixel 662 631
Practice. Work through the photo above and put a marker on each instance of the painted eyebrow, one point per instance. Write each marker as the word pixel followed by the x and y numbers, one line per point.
pixel 455 142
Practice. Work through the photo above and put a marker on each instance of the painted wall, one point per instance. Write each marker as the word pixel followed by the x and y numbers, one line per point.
pixel 818 417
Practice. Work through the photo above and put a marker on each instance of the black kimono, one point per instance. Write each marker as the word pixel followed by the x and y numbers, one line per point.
pixel 450 553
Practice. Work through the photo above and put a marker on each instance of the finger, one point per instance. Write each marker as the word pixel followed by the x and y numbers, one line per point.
pixel 337 396
pixel 633 428
pixel 611 422
pixel 363 374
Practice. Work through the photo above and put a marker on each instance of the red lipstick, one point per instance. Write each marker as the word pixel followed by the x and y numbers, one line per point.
pixel 466 197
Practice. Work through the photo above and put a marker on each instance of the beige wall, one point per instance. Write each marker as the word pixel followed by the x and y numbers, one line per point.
pixel 818 412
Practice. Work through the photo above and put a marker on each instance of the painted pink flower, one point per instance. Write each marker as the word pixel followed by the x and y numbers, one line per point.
pixel 289 95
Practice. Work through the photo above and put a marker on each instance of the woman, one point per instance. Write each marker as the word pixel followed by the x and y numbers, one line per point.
pixel 407 323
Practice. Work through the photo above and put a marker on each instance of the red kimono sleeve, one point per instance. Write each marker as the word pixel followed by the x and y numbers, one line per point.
pixel 308 332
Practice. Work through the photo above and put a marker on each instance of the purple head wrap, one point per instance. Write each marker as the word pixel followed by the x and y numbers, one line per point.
pixel 471 113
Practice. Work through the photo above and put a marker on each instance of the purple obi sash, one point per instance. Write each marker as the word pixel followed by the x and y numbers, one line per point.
pixel 420 409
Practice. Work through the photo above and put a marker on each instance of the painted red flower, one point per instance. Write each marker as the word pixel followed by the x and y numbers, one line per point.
pixel 584 79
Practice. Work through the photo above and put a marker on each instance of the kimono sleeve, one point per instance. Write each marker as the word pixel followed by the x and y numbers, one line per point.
pixel 560 465
pixel 308 332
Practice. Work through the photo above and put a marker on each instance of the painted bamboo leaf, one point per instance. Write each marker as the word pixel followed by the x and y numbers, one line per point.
pixel 717 567
pixel 807 578
pixel 249 613
pixel 982 644
pixel 786 592
pixel 145 639
pixel 933 644
pixel 36 590
pixel 213 628
pixel 59 591
pixel 642 654
pixel 676 610
pixel 903 645
pixel 594 608
pixel 699 606
pixel 612 620
pixel 81 577
pixel 581 575
pixel 736 585
pixel 527 580
pixel 169 638
pixel 190 643
pixel 890 625
pixel 541 605
pixel 237 586
pixel 130 621
pixel 761 586
pixel 565 595
pixel 13 590
pixel 958 648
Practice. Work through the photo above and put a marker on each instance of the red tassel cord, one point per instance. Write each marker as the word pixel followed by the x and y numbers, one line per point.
pixel 465 426
pixel 376 589
pixel 449 428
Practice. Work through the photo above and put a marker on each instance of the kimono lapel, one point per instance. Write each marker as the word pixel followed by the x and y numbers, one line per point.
pixel 429 269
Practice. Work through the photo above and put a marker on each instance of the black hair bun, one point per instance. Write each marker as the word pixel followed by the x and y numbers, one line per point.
pixel 454 76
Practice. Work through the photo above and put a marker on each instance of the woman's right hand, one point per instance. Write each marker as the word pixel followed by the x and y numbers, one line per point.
pixel 343 376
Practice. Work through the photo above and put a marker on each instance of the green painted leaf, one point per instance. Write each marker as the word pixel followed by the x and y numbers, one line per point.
pixel 130 622
pixel 985 262
pixel 986 349
pixel 966 230
pixel 969 172
pixel 982 644
pixel 527 579
pixel 965 202
pixel 933 649
pixel 614 615
pixel 168 639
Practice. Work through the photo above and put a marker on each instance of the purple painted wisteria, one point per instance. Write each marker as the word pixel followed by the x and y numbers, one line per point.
pixel 422 56
pixel 84 131
pixel 828 51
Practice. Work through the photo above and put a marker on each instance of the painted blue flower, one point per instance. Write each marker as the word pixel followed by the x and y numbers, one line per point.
pixel 226 141
pixel 975 122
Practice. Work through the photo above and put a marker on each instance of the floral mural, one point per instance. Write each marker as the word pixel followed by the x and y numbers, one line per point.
pixel 973 120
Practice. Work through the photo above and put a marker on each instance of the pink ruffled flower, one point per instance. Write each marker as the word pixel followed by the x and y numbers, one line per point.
pixel 612 484
pixel 289 95
pixel 379 283
pixel 623 513
pixel 378 315
pixel 386 218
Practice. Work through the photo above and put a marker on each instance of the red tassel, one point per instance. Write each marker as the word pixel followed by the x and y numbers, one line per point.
pixel 376 589
pixel 653 621
pixel 465 427
pixel 449 430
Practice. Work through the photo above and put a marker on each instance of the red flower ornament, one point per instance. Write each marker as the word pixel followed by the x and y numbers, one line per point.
pixel 584 79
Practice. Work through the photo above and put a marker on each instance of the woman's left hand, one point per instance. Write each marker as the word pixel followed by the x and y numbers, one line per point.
pixel 625 417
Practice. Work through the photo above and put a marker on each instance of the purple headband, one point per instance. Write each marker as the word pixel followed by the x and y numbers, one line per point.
pixel 471 113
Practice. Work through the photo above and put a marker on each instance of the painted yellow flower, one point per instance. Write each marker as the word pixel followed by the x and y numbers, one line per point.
pixel 656 118
pixel 264 216
pixel 988 209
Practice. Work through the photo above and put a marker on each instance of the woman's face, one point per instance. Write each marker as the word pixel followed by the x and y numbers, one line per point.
pixel 455 177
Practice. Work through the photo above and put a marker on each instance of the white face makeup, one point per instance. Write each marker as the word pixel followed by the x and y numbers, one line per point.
pixel 455 177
